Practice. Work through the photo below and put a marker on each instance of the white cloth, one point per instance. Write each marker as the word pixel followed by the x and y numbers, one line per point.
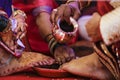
pixel 110 26
pixel 82 29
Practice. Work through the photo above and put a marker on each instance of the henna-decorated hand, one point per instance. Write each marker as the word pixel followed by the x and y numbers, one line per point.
pixel 20 30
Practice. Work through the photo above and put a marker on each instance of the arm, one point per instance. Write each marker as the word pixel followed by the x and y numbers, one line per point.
pixel 44 25
pixel 62 53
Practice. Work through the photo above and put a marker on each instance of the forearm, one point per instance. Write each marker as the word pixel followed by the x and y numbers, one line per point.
pixel 44 25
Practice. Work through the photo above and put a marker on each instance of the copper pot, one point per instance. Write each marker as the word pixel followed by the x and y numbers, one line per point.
pixel 63 32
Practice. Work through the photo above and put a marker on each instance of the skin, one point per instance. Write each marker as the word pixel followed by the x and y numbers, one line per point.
pixel 9 38
pixel 19 31
pixel 45 29
pixel 62 54
pixel 21 26
pixel 87 66
pixel 71 10
pixel 92 27
pixel 90 67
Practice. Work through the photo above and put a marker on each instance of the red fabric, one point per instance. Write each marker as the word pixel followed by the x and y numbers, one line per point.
pixel 32 75
pixel 36 42
pixel 103 7
pixel 33 35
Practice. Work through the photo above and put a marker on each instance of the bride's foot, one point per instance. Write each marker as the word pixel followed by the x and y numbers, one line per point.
pixel 27 60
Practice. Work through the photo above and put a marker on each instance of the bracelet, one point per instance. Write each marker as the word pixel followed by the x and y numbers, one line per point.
pixel 19 12
pixel 47 37
pixel 53 44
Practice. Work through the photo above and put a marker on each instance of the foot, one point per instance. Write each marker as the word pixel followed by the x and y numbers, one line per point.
pixel 27 60
pixel 88 66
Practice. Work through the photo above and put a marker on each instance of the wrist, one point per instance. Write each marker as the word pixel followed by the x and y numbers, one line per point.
pixel 53 44
pixel 48 37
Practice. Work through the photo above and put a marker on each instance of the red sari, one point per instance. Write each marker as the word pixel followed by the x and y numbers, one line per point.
pixel 104 7
pixel 32 8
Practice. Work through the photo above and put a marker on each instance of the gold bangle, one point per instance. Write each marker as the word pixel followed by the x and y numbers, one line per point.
pixel 19 12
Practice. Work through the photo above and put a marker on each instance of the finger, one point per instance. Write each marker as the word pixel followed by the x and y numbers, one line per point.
pixel 58 15
pixel 60 12
pixel 69 54
pixel 46 62
pixel 52 16
pixel 17 28
pixel 40 63
pixel 63 60
pixel 67 57
pixel 25 24
pixel 58 59
pixel 20 27
pixel 18 35
pixel 22 35
pixel 67 16
pixel 76 14
pixel 51 61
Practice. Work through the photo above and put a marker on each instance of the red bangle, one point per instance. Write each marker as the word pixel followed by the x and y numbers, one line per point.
pixel 62 36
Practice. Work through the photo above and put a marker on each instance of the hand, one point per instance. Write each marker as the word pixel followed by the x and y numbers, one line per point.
pixel 21 27
pixel 92 27
pixel 65 11
pixel 63 54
